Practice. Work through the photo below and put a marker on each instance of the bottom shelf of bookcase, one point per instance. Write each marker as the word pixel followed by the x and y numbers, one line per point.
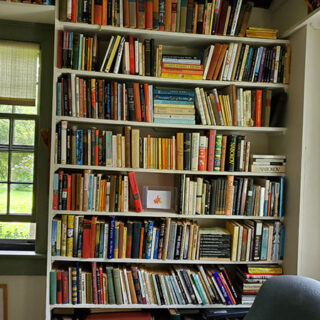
pixel 147 306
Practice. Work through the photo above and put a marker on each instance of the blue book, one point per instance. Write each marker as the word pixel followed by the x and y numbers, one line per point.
pixel 173 98
pixel 78 282
pixel 81 147
pixel 108 100
pixel 256 72
pixel 264 243
pixel 149 239
pixel 281 196
pixel 222 288
pixel 101 240
pixel 172 102
pixel 282 237
pixel 248 63
pixel 156 244
pixel 143 103
pixel 174 121
pixel 108 136
pixel 111 236
pixel 90 192
pixel 119 101
pixel 58 106
pixel 80 237
pixel 54 237
pixel 169 92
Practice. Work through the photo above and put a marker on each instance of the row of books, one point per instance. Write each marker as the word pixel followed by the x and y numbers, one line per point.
pixel 225 62
pixel 185 151
pixel 166 239
pixel 214 17
pixel 231 196
pixel 251 278
pixel 90 192
pixel 244 62
pixel 102 99
pixel 202 285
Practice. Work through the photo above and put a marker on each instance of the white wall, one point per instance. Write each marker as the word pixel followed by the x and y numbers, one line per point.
pixel 26 297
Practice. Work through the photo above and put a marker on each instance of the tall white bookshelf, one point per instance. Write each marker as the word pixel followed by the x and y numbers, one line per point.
pixel 263 139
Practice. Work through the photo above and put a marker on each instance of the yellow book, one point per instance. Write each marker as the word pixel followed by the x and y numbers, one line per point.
pixel 64 235
pixel 156 162
pixel 151 153
pixel 70 229
pixel 182 66
pixel 228 111
pixel 124 242
pixel 211 16
pixel 113 53
pixel 223 110
pixel 90 53
pixel 83 52
pixel 58 243
pixel 116 248
pixel 234 230
pixel 181 76
pixel 159 157
pixel 264 269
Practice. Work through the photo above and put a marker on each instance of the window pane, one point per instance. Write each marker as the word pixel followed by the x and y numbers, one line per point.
pixel 3 166
pixel 4 131
pixel 13 230
pixel 21 198
pixel 3 197
pixel 5 109
pixel 22 166
pixel 25 110
pixel 23 132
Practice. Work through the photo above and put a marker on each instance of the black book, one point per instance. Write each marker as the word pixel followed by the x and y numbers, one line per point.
pixel 109 12
pixel 68 146
pixel 235 193
pixel 251 68
pixel 278 109
pixel 160 290
pixel 145 231
pixel 248 63
pixel 253 198
pixel 249 197
pixel 200 16
pixel 93 143
pixel 58 131
pixel 243 46
pixel 135 239
pixel 208 197
pixel 153 63
pixel 253 106
pixel 178 242
pixel 213 197
pixel 142 103
pixel 188 286
pixel 140 152
pixel 238 205
pixel 230 153
pixel 257 240
pixel 224 193
pixel 238 153
pixel 187 151
pixel 182 195
pixel 64 194
pixel 131 112
pixel 147 58
pixel 107 100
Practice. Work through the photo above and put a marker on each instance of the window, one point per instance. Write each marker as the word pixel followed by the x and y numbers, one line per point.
pixel 19 122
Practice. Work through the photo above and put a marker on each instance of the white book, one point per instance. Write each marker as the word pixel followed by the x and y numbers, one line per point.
pixel 76 98
pixel 94 188
pixel 121 14
pixel 207 63
pixel 114 151
pixel 205 279
pixel 186 202
pixel 140 57
pixel 145 152
pixel 69 9
pixel 276 68
pixel 218 289
pixel 125 58
pixel 123 287
pixel 199 106
pixel 105 240
pixel 106 55
pixel 235 18
pixel 126 282
pixel 143 279
pixel 228 61
pixel 242 145
pixel 241 108
pixel 194 201
pixel 233 57
pixel 189 198
pixel 262 196
pixel 149 290
pixel 143 293
pixel 248 246
pixel 195 150
pixel 123 152
pixel 224 65
pixel 239 242
pixel 153 241
pixel 125 194
pixel 136 56
pixel 64 125
pixel 119 55
pixel 84 288
pixel 205 107
pixel 150 91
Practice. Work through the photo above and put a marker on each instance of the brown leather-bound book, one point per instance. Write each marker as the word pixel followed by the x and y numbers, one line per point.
pixel 127 137
pixel 214 60
pixel 220 61
pixel 126 19
pixel 244 23
pixel 180 150
pixel 222 18
pixel 112 193
pixel 223 153
pixel 215 109
pixel 167 16
pixel 131 287
pixel 135 135
pixel 136 98
pixel 129 239
pixel 136 283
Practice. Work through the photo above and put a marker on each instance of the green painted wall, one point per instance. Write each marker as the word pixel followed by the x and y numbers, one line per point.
pixel 44 35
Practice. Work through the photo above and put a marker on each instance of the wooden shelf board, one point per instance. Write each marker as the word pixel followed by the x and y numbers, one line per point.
pixel 188 172
pixel 27 12
pixel 175 38
pixel 146 306
pixel 159 261
pixel 167 81
pixel 170 126
pixel 162 215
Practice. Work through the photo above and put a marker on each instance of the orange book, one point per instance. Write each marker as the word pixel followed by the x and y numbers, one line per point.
pixel 220 61
pixel 97 12
pixel 167 16
pixel 149 14
pixel 155 13
pixel 172 155
pixel 149 146
pixel 136 98
pixel 163 153
pixel 74 7
pixel 229 196
pixel 214 60
pixel 126 19
pixel 96 149
pixel 195 18
pixel 181 71
pixel 223 153
pixel 206 159
pixel 173 15
pixel 146 100
pixel 166 153
pixel 141 242
pixel 104 12
pixel 115 101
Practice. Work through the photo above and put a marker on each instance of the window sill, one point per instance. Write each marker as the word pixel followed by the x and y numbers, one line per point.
pixel 21 254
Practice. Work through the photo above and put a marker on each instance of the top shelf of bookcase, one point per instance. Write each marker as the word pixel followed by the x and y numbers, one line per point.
pixel 27 12
pixel 165 37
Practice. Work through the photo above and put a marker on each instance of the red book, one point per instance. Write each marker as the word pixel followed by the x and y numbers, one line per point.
pixel 149 14
pixel 104 12
pixel 89 54
pixel 211 149
pixel 65 287
pixel 129 244
pixel 93 236
pixel 98 11
pixel 131 55
pixel 202 156
pixel 101 285
pixel 137 101
pixel 60 45
pixel 258 108
pixel 224 283
pixel 141 242
pixel 94 283
pixel 146 101
pixel 86 238
pixel 135 191
pixel 69 192
pixel 74 11
pixel 59 287
pixel 96 149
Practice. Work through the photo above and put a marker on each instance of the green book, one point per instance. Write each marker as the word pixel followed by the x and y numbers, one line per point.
pixel 217 154
pixel 117 285
pixel 80 10
pixel 178 15
pixel 110 286
pixel 53 287
pixel 201 293
pixel 183 16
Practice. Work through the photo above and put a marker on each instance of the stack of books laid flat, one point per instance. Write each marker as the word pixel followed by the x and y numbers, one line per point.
pixel 268 163
pixel 254 32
